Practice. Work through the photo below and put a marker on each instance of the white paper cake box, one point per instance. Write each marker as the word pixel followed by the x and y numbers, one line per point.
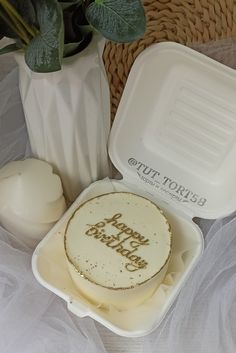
pixel 174 142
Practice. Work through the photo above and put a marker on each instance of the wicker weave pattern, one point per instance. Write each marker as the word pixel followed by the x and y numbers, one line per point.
pixel 186 22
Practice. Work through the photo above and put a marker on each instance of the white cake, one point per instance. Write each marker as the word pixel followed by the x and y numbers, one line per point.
pixel 118 247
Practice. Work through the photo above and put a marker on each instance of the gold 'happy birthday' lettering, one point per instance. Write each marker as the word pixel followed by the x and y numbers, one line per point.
pixel 126 242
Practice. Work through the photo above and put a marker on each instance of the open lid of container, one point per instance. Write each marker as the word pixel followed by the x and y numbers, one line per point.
pixel 175 130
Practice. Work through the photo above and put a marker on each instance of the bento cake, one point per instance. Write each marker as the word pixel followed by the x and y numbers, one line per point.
pixel 116 244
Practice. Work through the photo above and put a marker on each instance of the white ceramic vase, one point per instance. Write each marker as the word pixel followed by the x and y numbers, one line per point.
pixel 68 117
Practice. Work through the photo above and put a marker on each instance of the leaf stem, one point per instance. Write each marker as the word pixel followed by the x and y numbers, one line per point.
pixel 14 28
pixel 12 12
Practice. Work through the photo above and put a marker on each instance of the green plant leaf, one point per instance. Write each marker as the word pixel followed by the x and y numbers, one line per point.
pixel 25 9
pixel 74 48
pixel 9 48
pixel 69 48
pixel 45 51
pixel 117 20
pixel 68 3
pixel 17 19
pixel 5 30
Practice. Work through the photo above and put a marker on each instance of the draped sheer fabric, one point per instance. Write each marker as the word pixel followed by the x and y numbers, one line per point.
pixel 32 319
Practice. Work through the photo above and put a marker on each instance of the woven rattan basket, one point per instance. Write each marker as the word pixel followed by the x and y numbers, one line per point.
pixel 186 22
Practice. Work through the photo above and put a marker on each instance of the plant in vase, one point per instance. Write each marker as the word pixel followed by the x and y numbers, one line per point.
pixel 48 30
pixel 63 86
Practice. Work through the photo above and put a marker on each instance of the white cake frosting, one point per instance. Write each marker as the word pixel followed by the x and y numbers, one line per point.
pixel 115 244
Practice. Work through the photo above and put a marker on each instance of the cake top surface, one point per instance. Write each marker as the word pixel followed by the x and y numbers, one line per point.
pixel 118 240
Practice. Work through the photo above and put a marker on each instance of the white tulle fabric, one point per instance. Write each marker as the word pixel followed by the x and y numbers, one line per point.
pixel 33 320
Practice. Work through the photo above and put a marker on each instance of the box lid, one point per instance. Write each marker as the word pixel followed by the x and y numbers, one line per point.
pixel 175 130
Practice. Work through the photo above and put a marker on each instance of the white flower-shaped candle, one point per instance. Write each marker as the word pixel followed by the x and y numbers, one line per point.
pixel 31 198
